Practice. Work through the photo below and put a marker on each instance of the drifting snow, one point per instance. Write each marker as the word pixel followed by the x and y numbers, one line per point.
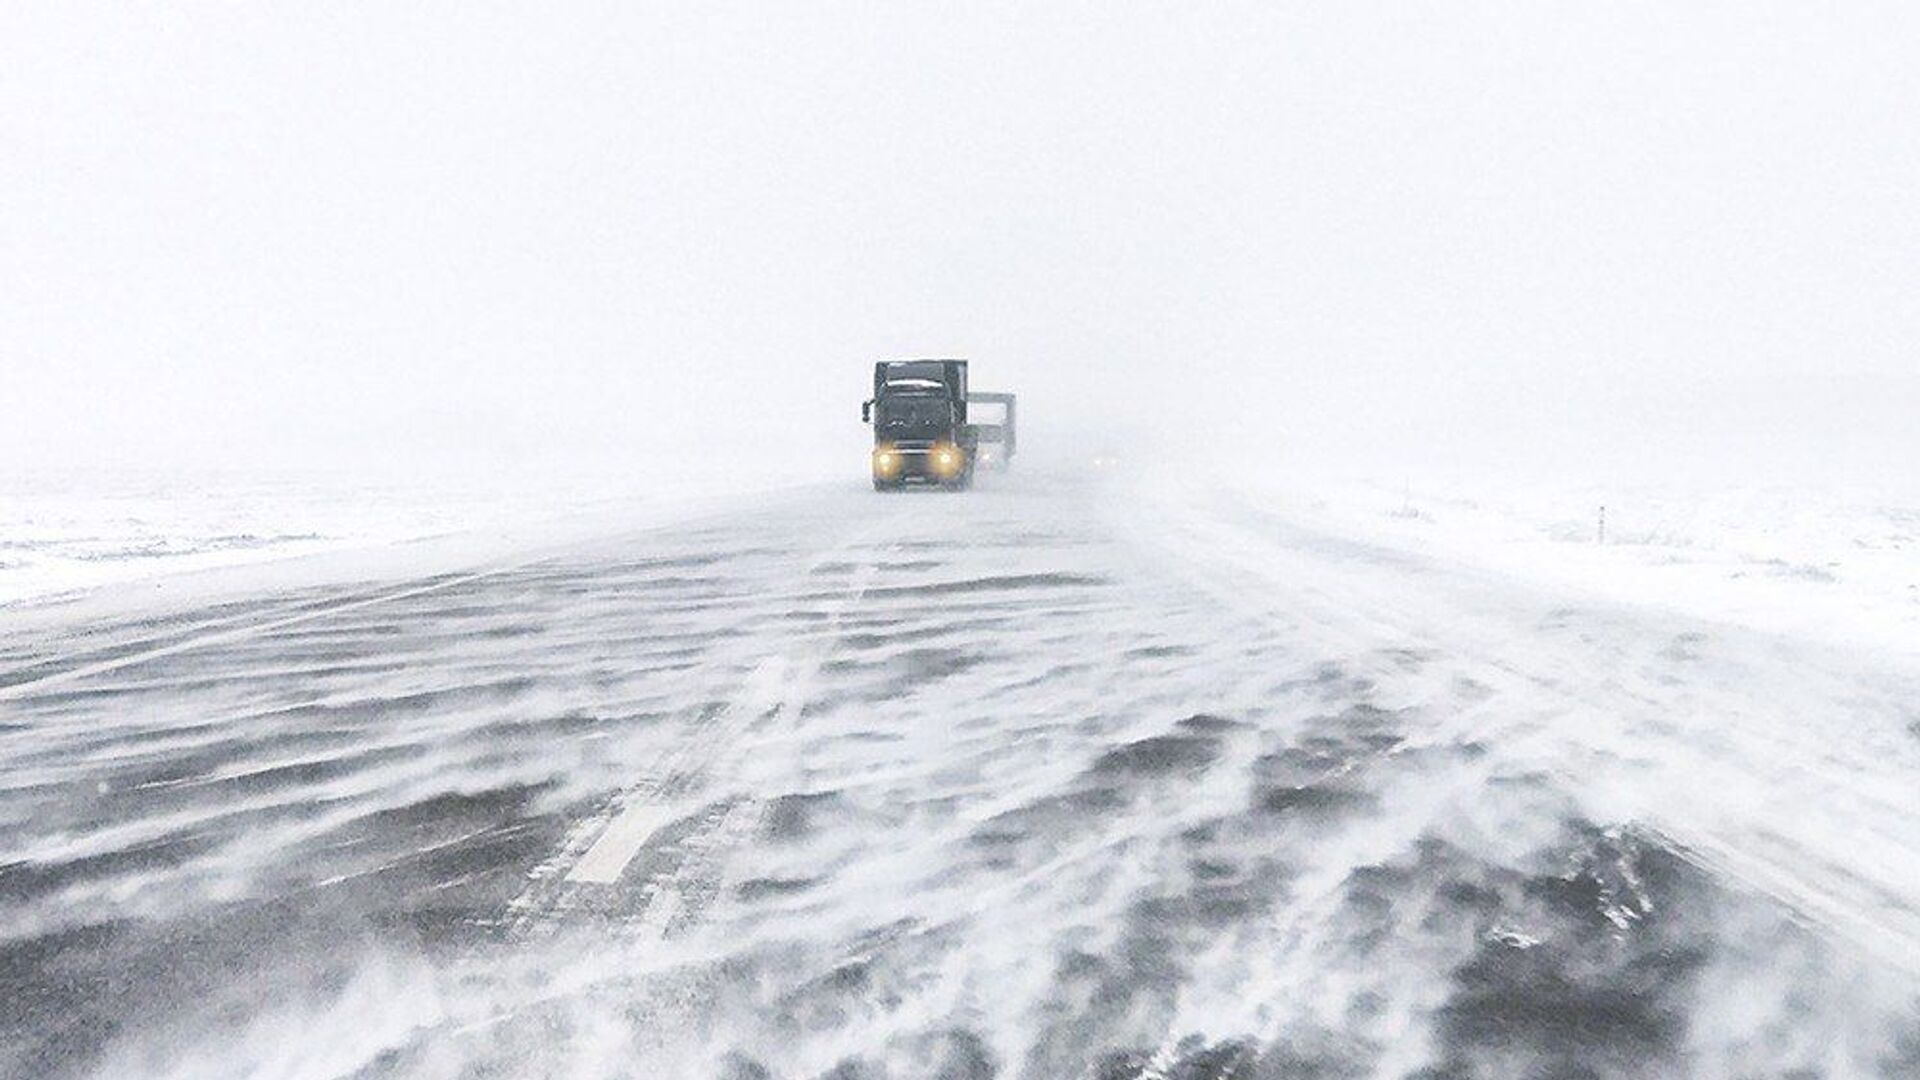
pixel 1056 779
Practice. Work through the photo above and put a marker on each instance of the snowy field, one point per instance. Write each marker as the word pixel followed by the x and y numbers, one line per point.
pixel 1837 565
pixel 1062 778
pixel 145 535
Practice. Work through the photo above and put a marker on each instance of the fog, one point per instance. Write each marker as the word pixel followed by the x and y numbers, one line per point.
pixel 1456 609
pixel 1583 239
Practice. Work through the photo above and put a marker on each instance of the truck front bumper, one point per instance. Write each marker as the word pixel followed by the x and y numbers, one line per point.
pixel 937 464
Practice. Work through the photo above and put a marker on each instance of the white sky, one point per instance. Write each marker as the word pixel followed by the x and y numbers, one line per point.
pixel 412 233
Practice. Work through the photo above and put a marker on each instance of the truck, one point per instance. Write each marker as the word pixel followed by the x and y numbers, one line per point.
pixel 922 432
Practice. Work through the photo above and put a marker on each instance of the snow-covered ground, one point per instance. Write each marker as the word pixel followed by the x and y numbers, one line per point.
pixel 1068 777
pixel 1838 566
pixel 66 533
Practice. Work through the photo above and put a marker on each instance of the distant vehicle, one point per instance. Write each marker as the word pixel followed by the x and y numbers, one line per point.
pixel 991 418
pixel 921 429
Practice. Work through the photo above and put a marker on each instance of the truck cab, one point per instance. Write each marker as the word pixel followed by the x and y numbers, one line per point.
pixel 922 432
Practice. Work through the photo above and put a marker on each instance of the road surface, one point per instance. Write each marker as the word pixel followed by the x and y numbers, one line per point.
pixel 1050 780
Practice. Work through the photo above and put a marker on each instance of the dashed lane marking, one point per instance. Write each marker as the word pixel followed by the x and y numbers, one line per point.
pixel 624 837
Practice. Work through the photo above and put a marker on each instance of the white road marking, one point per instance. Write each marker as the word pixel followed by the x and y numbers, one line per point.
pixel 777 685
pixel 607 859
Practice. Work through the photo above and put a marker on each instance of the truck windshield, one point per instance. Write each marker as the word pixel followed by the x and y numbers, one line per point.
pixel 929 370
pixel 901 415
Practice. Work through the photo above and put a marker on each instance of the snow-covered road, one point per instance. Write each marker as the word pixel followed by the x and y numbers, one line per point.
pixel 1052 780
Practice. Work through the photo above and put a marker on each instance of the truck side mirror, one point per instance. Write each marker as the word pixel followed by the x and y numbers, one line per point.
pixel 866 411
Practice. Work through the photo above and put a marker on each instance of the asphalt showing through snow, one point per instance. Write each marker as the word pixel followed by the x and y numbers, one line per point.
pixel 1015 784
